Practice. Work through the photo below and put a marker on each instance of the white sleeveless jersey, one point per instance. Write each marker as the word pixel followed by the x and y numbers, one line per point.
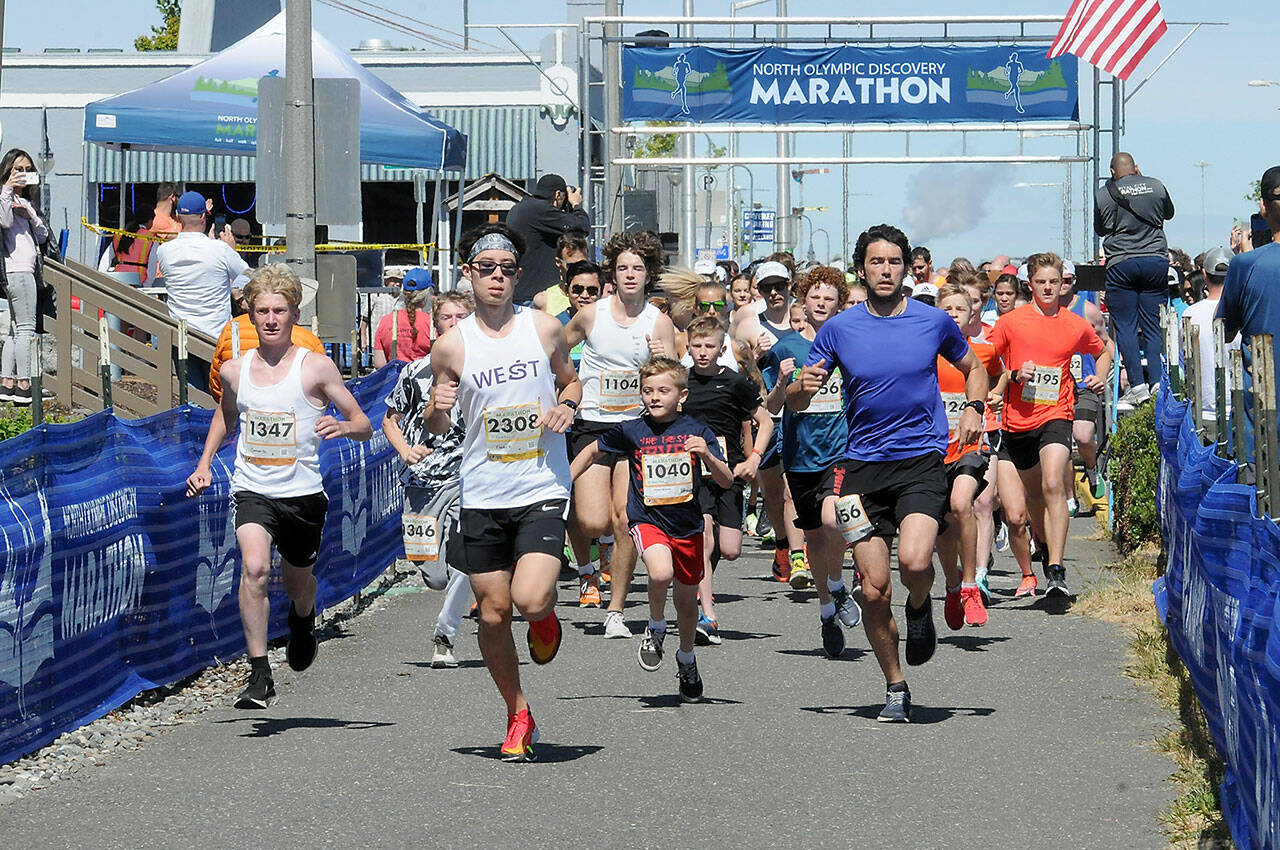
pixel 611 360
pixel 277 451
pixel 505 386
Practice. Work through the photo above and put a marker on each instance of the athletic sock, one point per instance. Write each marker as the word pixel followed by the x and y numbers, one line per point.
pixel 797 552
pixel 607 539
pixel 827 609
pixel 684 657
pixel 657 625
pixel 584 570
pixel 965 584
pixel 259 662
pixel 835 585
pixel 896 687
pixel 544 629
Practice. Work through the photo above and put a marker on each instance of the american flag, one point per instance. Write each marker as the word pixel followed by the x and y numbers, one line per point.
pixel 1114 35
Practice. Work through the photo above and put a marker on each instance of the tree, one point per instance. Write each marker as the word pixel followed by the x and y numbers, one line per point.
pixel 165 36
pixel 658 144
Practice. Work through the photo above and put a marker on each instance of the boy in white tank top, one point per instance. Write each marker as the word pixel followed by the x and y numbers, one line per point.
pixel 275 396
pixel 508 369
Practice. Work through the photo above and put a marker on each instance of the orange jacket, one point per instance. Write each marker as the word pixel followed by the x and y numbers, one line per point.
pixel 249 339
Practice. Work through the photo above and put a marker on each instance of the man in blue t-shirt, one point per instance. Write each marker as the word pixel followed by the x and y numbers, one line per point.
pixel 892 479
pixel 1250 301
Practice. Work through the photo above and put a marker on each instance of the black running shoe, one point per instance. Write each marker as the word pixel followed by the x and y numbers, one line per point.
pixel 832 637
pixel 302 646
pixel 897 706
pixel 922 638
pixel 259 693
pixel 690 681
pixel 1057 583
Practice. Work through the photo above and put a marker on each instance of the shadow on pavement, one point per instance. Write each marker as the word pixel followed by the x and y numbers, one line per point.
pixel 426 665
pixel 849 654
pixel 670 700
pixel 919 713
pixel 545 753
pixel 265 727
pixel 973 643
pixel 1054 606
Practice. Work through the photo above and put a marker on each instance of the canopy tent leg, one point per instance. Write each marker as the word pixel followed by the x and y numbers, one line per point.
pixel 124 160
pixel 435 221
pixel 457 227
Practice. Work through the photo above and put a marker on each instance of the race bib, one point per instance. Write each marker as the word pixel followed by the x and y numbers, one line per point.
pixel 830 396
pixel 421 537
pixel 270 438
pixel 1043 386
pixel 619 390
pixel 851 519
pixel 1077 368
pixel 667 478
pixel 953 404
pixel 512 433
pixel 724 453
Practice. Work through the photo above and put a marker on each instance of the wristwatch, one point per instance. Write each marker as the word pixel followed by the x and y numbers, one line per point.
pixel 569 403
pixel 980 406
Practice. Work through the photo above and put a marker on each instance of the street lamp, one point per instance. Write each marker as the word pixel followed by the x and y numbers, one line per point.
pixel 824 232
pixel 45 162
pixel 1202 165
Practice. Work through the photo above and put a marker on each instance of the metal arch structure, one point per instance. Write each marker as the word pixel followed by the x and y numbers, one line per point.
pixel 604 136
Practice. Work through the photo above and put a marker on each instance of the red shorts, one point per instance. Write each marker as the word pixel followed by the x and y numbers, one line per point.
pixel 686 552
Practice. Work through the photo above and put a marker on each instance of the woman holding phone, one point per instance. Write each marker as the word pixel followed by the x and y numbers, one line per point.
pixel 23 234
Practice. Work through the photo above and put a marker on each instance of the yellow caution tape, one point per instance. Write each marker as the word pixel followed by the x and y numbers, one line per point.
pixel 265 249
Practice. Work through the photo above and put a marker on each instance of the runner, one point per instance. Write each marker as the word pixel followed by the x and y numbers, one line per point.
pixel 666 451
pixel 276 396
pixel 584 290
pixel 892 480
pixel 740 289
pixel 1088 412
pixel 1036 343
pixel 620 332
pixel 966 473
pixel 761 332
pixel 1004 294
pixel 508 371
pixel 813 441
pixel 728 404
pixel 430 478
pixel 693 296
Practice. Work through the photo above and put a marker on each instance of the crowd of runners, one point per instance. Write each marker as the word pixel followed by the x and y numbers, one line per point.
pixel 888 412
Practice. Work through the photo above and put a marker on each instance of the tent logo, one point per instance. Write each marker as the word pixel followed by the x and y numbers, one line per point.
pixel 228 91
pixel 1016 85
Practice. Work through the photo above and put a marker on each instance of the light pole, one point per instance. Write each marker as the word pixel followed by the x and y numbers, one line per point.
pixel 824 232
pixel 735 224
pixel 1202 165
pixel 46 168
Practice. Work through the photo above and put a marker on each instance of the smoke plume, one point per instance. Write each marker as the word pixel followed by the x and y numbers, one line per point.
pixel 943 200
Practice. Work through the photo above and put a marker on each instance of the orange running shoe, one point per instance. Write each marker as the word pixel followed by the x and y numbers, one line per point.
pixel 975 613
pixel 1026 588
pixel 606 560
pixel 522 734
pixel 589 593
pixel 953 610
pixel 781 565
pixel 544 639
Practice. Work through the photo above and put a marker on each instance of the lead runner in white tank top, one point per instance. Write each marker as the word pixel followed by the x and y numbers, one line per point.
pixel 278 449
pixel 611 358
pixel 505 384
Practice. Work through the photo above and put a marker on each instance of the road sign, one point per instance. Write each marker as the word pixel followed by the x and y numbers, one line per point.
pixel 708 182
pixel 757 225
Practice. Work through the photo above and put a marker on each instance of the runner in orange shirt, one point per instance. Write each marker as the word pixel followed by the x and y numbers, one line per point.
pixel 1036 342
pixel 966 474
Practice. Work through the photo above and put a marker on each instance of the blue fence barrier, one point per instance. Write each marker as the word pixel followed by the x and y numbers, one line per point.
pixel 112 581
pixel 1220 598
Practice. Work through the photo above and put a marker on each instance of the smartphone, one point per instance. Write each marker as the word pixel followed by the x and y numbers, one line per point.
pixel 1259 230
pixel 32 178
pixel 219 222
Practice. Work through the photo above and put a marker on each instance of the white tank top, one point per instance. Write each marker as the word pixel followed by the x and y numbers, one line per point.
pixel 277 451
pixel 611 360
pixel 505 385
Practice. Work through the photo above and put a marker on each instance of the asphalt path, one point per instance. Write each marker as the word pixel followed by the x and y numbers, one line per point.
pixel 1026 734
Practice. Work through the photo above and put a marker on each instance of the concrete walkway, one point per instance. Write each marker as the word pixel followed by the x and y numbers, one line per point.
pixel 1027 735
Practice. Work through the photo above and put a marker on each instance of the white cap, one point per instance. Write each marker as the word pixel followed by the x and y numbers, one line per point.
pixel 924 289
pixel 772 269
pixel 704 266
pixel 1068 268
pixel 721 273
pixel 1022 273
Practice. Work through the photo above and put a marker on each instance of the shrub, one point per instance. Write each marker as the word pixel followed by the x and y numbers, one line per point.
pixel 1134 468
pixel 16 420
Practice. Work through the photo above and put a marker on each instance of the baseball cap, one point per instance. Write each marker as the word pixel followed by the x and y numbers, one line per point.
pixel 1009 269
pixel 416 279
pixel 924 289
pixel 191 203
pixel 704 266
pixel 1271 184
pixel 1022 273
pixel 240 227
pixel 1216 261
pixel 548 185
pixel 1068 268
pixel 771 269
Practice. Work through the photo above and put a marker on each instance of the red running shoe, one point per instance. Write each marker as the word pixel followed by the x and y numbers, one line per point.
pixel 953 610
pixel 975 613
pixel 522 734
pixel 781 565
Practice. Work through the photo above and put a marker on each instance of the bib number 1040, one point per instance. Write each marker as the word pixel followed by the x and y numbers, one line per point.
pixel 668 478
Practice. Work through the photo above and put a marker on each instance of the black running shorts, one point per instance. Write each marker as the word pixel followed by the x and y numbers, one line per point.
pixel 1088 406
pixel 1024 446
pixel 492 539
pixel 583 434
pixel 893 489
pixel 723 506
pixel 974 464
pixel 294 522
pixel 808 490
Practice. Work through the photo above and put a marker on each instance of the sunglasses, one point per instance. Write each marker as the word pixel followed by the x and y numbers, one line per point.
pixel 711 305
pixel 578 289
pixel 488 267
pixel 771 287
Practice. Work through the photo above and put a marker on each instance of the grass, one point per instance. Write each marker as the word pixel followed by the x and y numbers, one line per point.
pixel 1194 819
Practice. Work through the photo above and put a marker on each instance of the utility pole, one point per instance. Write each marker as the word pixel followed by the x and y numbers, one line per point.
pixel 844 201
pixel 1202 165
pixel 299 141
pixel 782 236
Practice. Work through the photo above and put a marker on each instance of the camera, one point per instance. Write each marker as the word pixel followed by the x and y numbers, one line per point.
pixel 32 178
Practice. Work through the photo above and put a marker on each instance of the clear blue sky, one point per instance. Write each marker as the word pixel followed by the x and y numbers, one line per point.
pixel 1199 107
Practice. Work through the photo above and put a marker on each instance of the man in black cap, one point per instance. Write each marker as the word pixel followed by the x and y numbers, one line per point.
pixel 552 210
pixel 1251 294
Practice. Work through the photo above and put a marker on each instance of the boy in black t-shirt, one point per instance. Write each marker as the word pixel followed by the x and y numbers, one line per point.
pixel 728 404
pixel 663 448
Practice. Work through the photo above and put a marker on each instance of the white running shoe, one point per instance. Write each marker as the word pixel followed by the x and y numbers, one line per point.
pixel 614 626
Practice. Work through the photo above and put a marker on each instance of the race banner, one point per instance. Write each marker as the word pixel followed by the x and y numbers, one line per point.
pixel 774 85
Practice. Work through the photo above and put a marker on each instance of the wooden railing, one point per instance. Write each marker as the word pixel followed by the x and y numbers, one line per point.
pixel 88 347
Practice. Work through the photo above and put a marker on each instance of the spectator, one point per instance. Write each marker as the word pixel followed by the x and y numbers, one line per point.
pixel 1250 301
pixel 1130 213
pixel 410 327
pixel 163 221
pixel 1201 314
pixel 571 248
pixel 23 234
pixel 921 265
pixel 197 274
pixel 553 210
pixel 126 253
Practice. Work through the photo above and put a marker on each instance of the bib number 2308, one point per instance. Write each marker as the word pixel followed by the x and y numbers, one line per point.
pixel 852 519
pixel 513 432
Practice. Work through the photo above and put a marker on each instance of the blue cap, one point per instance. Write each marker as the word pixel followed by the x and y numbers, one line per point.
pixel 416 279
pixel 191 203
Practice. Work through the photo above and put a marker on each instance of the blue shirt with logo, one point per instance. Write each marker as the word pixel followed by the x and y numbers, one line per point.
pixel 811 442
